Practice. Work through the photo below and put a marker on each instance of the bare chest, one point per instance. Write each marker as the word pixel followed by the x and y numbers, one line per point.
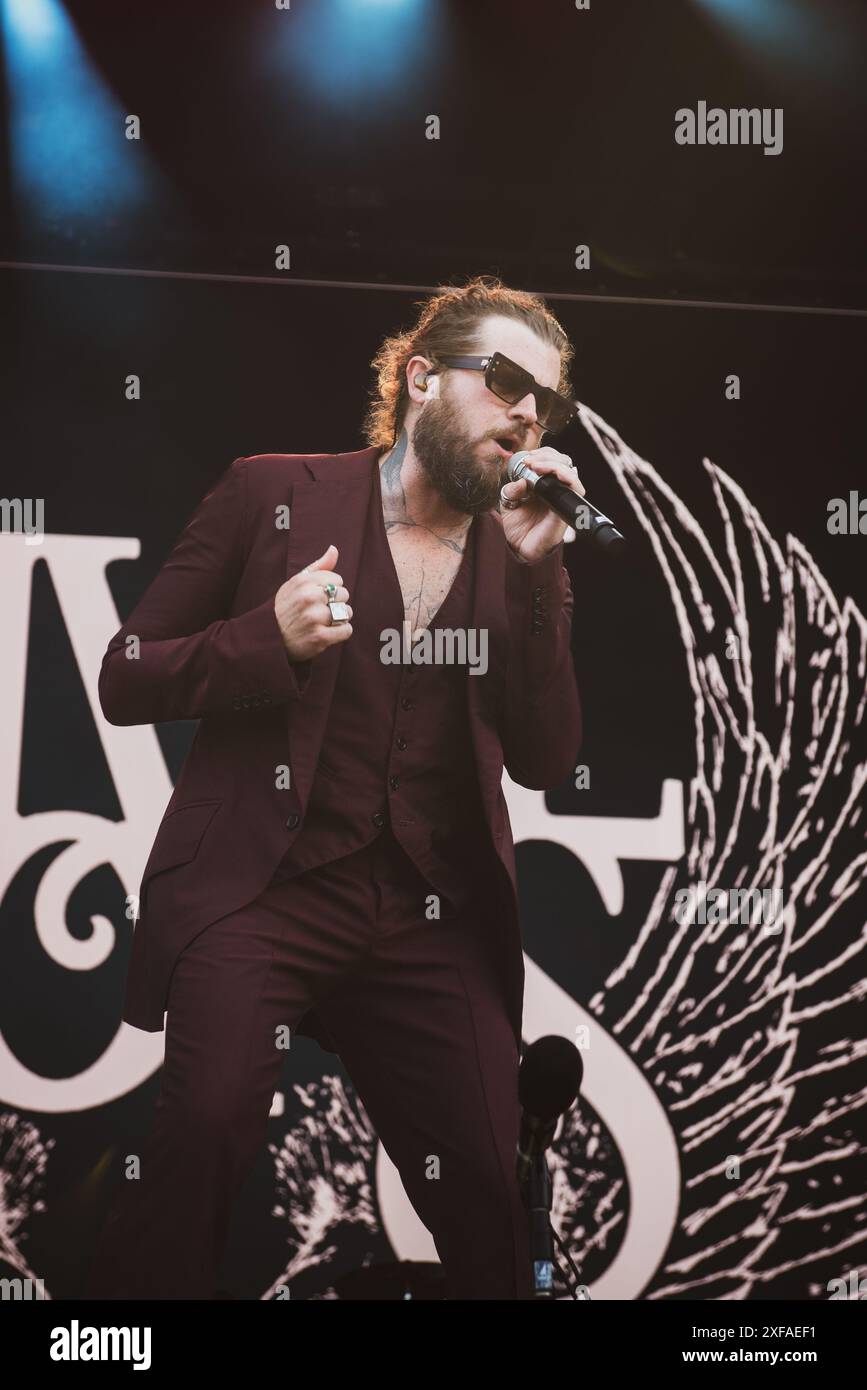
pixel 426 569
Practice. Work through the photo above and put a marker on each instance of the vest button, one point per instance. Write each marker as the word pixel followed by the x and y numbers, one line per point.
pixel 293 821
pixel 405 703
pixel 378 818
pixel 392 782
pixel 401 743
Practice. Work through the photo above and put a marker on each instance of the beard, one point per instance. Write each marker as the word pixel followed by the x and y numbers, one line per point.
pixel 445 452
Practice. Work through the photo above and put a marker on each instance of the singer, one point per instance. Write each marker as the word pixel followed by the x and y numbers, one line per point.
pixel 336 858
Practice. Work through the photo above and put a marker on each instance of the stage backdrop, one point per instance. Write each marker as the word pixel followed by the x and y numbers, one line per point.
pixel 717 1149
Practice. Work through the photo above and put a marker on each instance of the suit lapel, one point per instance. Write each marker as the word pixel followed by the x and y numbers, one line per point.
pixel 483 692
pixel 324 510
pixel 327 509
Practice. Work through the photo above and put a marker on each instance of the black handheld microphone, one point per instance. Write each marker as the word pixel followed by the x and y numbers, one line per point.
pixel 575 510
pixel 549 1079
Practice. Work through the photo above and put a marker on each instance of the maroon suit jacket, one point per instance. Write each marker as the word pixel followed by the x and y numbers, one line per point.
pixel 210 649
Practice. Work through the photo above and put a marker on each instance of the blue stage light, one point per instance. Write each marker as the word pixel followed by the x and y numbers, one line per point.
pixel 70 159
pixel 31 22
pixel 795 32
pixel 350 49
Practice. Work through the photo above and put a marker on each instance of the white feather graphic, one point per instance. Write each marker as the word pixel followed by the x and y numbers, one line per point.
pixel 752 1038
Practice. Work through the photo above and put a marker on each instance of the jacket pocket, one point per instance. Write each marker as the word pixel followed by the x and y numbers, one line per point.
pixel 180 835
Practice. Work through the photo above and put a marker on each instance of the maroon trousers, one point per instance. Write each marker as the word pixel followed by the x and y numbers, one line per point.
pixel 417 1012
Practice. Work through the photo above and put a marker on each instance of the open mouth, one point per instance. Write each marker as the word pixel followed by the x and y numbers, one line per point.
pixel 507 445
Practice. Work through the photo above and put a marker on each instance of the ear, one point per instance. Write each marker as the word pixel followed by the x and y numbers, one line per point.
pixel 418 379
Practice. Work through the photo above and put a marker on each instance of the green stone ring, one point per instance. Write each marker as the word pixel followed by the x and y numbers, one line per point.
pixel 331 590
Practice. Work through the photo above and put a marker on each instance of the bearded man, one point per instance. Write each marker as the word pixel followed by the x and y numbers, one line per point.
pixel 336 858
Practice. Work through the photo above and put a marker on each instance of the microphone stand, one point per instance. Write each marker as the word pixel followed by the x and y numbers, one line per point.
pixel 537 1194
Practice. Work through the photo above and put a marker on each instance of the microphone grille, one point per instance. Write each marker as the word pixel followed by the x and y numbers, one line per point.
pixel 515 463
pixel 549 1077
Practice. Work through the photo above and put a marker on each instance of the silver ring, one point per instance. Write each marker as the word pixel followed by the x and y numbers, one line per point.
pixel 509 503
pixel 339 612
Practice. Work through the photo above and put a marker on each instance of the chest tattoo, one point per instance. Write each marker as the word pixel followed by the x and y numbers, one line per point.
pixel 426 561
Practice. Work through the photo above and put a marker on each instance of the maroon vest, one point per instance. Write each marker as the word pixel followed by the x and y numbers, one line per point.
pixel 397 748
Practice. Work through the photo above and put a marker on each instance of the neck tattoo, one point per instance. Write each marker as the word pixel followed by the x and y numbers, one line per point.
pixel 395 511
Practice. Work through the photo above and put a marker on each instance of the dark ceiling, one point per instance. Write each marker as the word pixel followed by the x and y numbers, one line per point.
pixel 306 127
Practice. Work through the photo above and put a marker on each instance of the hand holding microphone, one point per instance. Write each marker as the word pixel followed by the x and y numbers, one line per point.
pixel 543 497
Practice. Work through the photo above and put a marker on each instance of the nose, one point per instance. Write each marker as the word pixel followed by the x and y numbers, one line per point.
pixel 525 410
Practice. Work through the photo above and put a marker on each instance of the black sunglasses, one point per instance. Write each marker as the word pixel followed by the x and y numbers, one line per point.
pixel 511 383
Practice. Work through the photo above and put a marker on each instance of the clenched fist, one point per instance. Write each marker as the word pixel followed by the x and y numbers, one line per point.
pixel 301 609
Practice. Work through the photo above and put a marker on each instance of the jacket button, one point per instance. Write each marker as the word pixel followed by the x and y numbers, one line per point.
pixel 245 701
pixel 293 821
pixel 401 743
pixel 406 703
pixel 236 703
pixel 392 782
pixel 378 818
